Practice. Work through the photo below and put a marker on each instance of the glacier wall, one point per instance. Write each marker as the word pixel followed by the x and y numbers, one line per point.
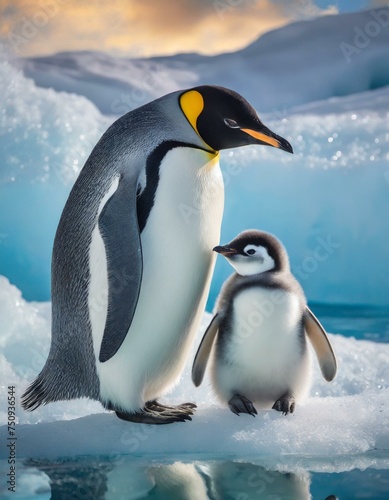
pixel 45 138
pixel 328 203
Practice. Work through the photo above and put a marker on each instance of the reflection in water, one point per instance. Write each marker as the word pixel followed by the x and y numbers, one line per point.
pixel 244 481
pixel 69 479
pixel 126 478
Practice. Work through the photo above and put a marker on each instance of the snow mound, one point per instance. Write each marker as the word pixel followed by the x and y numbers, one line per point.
pixel 348 417
pixel 43 133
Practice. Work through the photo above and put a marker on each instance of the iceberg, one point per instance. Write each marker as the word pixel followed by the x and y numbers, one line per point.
pixel 45 138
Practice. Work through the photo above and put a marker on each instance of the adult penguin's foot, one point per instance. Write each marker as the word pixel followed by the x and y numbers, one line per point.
pixel 155 413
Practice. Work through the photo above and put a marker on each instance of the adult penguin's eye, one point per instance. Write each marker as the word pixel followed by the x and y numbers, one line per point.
pixel 231 123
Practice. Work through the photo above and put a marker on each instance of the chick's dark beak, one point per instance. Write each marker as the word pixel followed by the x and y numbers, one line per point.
pixel 225 250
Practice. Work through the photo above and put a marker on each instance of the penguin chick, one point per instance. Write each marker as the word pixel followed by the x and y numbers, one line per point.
pixel 259 331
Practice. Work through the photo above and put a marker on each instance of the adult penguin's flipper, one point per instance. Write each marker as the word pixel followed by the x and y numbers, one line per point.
pixel 321 345
pixel 204 350
pixel 118 225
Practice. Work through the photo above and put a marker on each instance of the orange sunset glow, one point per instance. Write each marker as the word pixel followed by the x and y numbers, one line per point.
pixel 126 27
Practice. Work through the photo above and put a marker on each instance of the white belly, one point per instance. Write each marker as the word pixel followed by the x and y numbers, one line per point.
pixel 263 359
pixel 182 228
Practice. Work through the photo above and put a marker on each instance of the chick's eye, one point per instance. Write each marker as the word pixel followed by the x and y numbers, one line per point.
pixel 231 123
pixel 251 251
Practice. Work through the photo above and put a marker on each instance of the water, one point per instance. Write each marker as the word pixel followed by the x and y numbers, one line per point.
pixel 219 476
pixel 192 478
pixel 361 322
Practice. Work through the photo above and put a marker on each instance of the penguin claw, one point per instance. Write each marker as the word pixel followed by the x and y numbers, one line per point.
pixel 157 413
pixel 152 418
pixel 286 404
pixel 183 409
pixel 188 405
pixel 234 410
pixel 184 415
pixel 239 404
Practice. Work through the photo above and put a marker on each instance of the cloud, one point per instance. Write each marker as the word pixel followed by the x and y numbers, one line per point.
pixel 304 9
pixel 144 28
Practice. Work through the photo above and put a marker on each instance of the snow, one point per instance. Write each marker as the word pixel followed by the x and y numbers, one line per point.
pixel 345 418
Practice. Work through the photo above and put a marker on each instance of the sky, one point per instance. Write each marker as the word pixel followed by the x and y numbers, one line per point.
pixel 151 27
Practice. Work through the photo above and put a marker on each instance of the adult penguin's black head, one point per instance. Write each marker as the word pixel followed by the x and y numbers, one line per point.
pixel 224 119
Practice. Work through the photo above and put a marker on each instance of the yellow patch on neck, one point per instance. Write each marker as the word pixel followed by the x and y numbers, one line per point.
pixel 192 104
pixel 213 160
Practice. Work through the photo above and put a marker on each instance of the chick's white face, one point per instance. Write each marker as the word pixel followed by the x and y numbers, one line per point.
pixel 254 260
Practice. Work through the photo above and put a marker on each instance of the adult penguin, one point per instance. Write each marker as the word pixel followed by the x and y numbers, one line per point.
pixel 132 258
